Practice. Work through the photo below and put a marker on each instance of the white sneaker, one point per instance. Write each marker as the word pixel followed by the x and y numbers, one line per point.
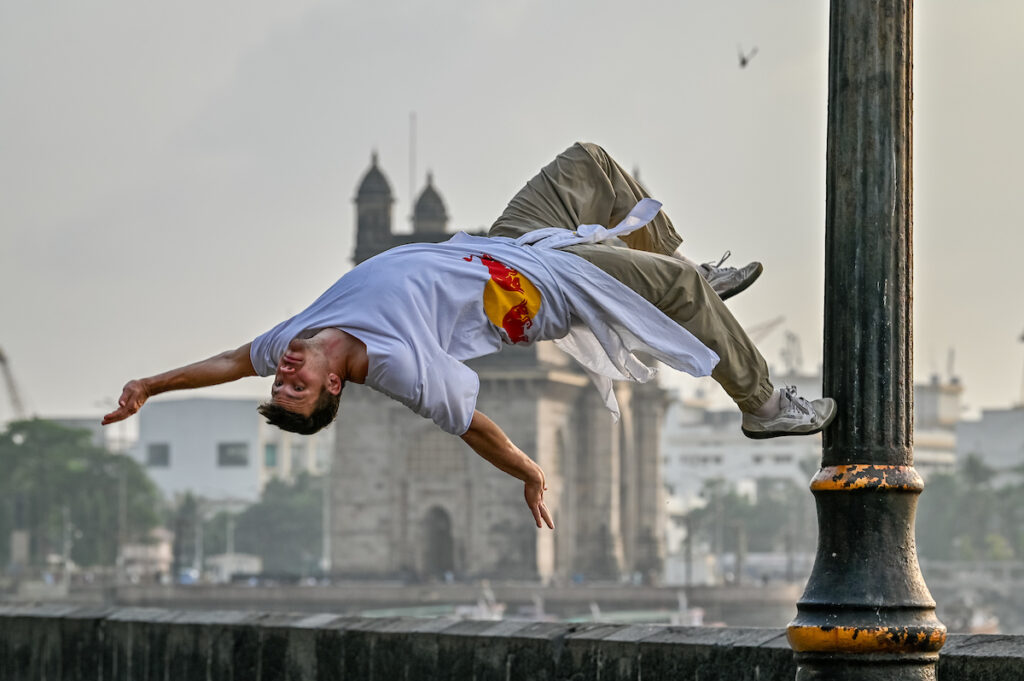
pixel 728 281
pixel 796 417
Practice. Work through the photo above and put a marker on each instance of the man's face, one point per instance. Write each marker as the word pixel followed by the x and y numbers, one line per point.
pixel 301 375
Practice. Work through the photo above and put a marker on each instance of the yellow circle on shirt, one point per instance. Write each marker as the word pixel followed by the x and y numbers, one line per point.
pixel 498 302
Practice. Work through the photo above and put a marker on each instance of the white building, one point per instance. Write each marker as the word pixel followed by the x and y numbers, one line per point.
pixel 936 414
pixel 222 449
pixel 700 444
pixel 998 437
pixel 152 559
pixel 226 565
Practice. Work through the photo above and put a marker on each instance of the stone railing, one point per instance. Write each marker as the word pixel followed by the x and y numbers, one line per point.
pixel 141 644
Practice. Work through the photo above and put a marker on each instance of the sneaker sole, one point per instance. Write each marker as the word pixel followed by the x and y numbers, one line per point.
pixel 743 285
pixel 768 434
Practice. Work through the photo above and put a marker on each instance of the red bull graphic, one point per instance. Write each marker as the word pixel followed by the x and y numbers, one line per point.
pixel 510 301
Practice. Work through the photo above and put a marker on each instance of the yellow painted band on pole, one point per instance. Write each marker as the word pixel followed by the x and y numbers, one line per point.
pixel 866 476
pixel 822 639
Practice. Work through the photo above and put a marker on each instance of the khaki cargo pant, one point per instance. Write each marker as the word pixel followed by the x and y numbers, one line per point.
pixel 584 185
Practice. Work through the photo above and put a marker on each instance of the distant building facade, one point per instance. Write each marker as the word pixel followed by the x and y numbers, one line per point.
pixel 997 437
pixel 409 499
pixel 937 409
pixel 700 445
pixel 221 449
pixel 150 560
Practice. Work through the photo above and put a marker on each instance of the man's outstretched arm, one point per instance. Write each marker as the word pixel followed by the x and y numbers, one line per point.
pixel 490 442
pixel 223 368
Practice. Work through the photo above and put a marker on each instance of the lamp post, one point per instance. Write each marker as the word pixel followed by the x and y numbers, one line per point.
pixel 866 612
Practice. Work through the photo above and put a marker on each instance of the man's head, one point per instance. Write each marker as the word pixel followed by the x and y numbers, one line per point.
pixel 306 389
pixel 323 413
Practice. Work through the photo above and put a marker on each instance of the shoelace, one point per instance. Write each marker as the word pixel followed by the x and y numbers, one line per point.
pixel 718 265
pixel 795 402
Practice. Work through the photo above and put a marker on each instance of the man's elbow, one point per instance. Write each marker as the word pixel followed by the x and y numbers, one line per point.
pixel 476 427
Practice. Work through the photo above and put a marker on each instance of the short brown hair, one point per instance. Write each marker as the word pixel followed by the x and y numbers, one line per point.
pixel 324 412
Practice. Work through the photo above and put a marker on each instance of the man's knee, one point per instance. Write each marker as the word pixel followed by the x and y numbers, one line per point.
pixel 598 153
pixel 685 291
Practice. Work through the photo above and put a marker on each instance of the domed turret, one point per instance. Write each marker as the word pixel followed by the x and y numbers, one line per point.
pixel 429 214
pixel 373 184
pixel 373 212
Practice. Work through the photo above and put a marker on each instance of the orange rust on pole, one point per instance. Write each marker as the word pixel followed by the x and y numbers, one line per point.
pixel 862 640
pixel 849 477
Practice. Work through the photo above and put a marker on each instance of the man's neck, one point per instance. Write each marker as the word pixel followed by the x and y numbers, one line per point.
pixel 345 354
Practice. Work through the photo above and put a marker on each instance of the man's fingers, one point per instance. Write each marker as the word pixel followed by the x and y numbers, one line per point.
pixel 535 500
pixel 540 513
pixel 115 416
pixel 133 396
pixel 547 517
pixel 119 414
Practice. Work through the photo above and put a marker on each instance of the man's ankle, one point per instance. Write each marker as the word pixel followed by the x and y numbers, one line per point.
pixel 770 407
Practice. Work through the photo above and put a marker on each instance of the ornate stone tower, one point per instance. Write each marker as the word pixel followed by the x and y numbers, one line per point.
pixel 373 213
pixel 430 215
pixel 408 499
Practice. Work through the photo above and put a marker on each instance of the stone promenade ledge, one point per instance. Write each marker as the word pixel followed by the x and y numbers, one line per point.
pixel 143 644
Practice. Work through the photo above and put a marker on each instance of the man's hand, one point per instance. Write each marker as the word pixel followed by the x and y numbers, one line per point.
pixel 534 493
pixel 490 442
pixel 133 397
pixel 227 366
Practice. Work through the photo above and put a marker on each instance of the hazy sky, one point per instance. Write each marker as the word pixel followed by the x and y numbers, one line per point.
pixel 175 178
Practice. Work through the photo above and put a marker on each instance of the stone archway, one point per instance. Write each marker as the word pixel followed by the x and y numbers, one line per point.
pixel 438 547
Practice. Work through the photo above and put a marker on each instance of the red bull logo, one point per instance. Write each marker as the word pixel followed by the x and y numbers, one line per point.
pixel 510 301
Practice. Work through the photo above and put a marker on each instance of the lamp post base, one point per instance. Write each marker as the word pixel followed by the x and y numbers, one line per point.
pixel 866 613
pixel 832 667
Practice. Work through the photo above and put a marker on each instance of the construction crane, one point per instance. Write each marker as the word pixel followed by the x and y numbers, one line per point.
pixel 758 332
pixel 792 355
pixel 12 388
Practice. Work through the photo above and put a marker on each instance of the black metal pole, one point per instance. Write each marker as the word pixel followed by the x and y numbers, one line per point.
pixel 866 612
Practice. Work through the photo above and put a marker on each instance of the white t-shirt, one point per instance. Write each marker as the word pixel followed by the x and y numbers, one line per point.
pixel 422 309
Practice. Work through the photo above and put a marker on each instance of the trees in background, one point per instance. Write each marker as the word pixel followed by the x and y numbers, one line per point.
pixel 283 528
pixel 778 517
pixel 965 516
pixel 54 479
pixel 973 514
pixel 57 485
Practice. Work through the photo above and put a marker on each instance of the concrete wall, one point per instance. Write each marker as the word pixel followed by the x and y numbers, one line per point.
pixel 64 642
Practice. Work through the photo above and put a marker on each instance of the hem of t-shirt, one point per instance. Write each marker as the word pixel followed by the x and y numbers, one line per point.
pixel 476 398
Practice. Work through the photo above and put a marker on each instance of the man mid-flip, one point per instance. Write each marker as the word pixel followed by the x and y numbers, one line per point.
pixel 404 322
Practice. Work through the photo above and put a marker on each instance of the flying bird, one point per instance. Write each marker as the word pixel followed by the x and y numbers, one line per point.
pixel 745 58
